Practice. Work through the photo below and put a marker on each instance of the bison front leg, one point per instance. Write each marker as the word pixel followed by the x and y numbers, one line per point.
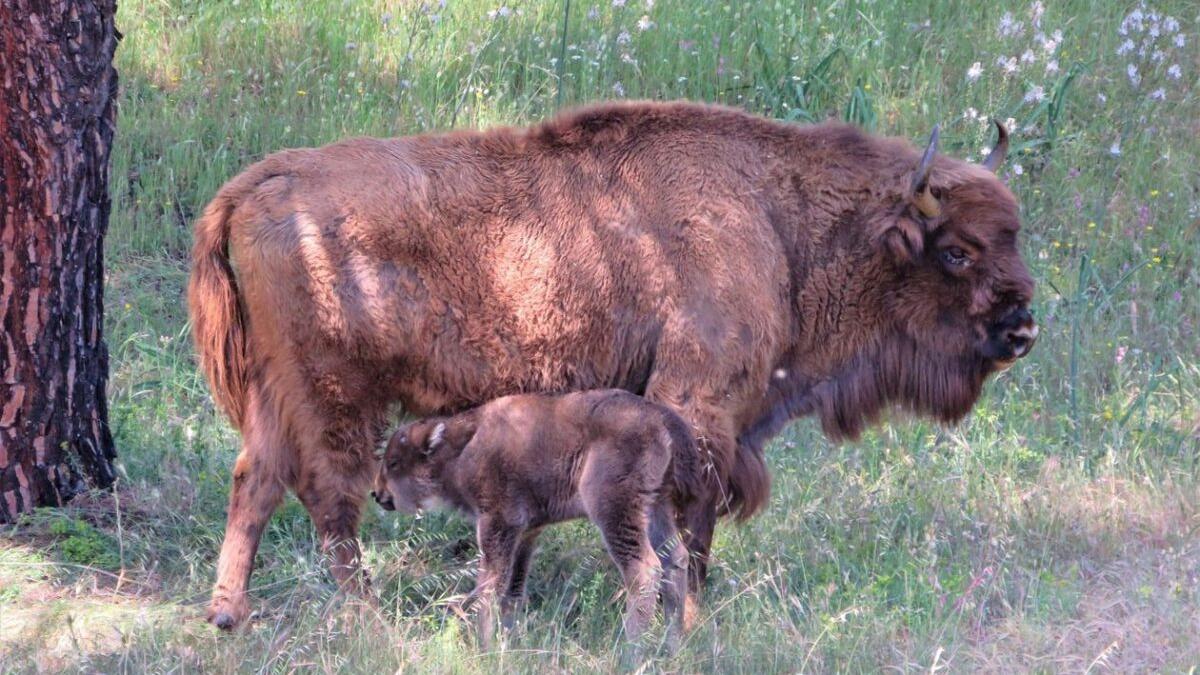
pixel 706 390
pixel 257 490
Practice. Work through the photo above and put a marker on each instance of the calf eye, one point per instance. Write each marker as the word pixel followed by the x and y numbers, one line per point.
pixel 955 257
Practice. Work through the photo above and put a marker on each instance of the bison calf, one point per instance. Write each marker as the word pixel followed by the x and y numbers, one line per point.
pixel 522 462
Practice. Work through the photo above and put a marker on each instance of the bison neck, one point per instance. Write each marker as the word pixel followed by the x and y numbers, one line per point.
pixel 892 373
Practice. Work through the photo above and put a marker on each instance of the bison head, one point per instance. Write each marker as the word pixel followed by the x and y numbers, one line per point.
pixel 958 292
pixel 938 301
pixel 963 289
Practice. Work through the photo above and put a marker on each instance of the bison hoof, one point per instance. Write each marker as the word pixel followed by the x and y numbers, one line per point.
pixel 226 614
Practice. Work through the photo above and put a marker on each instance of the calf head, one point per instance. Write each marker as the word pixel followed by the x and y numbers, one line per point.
pixel 409 476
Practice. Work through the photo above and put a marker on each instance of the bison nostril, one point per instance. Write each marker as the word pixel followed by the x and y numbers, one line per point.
pixel 1021 339
pixel 374 496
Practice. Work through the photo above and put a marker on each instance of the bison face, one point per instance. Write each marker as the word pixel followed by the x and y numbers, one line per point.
pixel 967 293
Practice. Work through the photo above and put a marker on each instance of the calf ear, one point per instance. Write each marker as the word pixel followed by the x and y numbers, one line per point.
pixel 436 438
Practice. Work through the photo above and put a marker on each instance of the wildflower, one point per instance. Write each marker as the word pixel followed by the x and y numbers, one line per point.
pixel 617 88
pixel 974 71
pixel 970 114
pixel 593 14
pixel 1009 26
pixel 1158 56
pixel 618 3
pixel 1019 170
pixel 1132 71
pixel 1120 355
pixel 1115 149
pixel 1180 41
pixel 1159 94
pixel 624 37
pixel 1009 65
pixel 1010 123
pixel 644 24
pixel 1050 46
pixel 1091 224
pixel 1035 95
pixel 1036 10
pixel 1174 72
pixel 1170 25
pixel 1125 48
pixel 301 92
pixel 1028 56
pixel 649 5
pixel 1102 98
pixel 1052 66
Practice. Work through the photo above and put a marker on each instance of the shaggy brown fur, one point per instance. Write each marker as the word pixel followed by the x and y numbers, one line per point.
pixel 520 463
pixel 735 269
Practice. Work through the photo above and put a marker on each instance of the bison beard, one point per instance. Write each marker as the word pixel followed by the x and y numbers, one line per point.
pixel 737 270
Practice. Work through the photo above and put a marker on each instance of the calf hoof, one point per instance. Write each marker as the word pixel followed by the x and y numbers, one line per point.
pixel 227 614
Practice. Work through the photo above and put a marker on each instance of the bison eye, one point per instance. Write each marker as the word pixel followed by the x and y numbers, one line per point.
pixel 955 257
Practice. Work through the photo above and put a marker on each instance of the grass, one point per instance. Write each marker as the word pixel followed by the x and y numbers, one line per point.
pixel 1055 529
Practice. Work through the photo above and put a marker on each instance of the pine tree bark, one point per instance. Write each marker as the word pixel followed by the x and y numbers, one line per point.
pixel 58 93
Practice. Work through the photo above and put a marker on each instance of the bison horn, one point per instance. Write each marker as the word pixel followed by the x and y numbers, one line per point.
pixel 996 157
pixel 924 200
pixel 437 436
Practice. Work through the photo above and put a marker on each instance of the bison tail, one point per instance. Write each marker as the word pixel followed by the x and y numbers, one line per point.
pixel 218 322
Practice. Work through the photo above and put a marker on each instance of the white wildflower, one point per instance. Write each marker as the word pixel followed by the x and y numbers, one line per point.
pixel 1052 66
pixel 1125 48
pixel 1036 10
pixel 1035 95
pixel 1028 56
pixel 1049 46
pixel 1056 36
pixel 1159 94
pixel 1170 25
pixel 1154 31
pixel 644 24
pixel 1174 72
pixel 1180 40
pixel 1102 98
pixel 624 37
pixel 1132 71
pixel 1115 149
pixel 1010 123
pixel 649 5
pixel 970 114
pixel 1158 56
pixel 593 14
pixel 1018 169
pixel 1008 64
pixel 974 71
pixel 618 3
pixel 628 58
pixel 617 88
pixel 1009 26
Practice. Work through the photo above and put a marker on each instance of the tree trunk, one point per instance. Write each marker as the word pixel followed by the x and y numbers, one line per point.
pixel 57 114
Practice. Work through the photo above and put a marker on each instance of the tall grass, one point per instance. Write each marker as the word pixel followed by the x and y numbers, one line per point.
pixel 1054 529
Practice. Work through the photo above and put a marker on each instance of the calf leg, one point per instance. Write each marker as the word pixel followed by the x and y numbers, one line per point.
pixel 498 543
pixel 515 592
pixel 622 523
pixel 673 556
pixel 257 490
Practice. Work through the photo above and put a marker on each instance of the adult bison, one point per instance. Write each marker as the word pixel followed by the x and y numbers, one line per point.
pixel 735 269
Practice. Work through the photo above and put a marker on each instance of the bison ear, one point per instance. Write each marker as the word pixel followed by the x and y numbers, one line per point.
pixel 919 192
pixel 903 240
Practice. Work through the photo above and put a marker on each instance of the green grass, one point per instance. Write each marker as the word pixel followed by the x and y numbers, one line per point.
pixel 1055 529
